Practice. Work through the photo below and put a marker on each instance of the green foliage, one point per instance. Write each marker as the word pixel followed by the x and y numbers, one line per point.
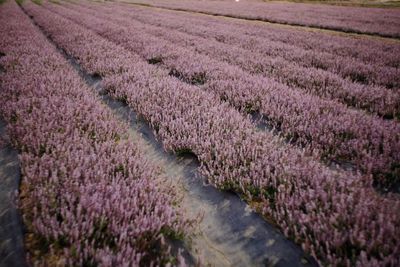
pixel 199 78
pixel 42 150
pixel 14 117
pixel 172 234
pixel 101 236
pixel 120 168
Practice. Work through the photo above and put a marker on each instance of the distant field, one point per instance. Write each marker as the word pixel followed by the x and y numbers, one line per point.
pixel 364 3
pixel 377 21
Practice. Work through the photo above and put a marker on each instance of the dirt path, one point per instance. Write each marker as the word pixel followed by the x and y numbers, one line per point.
pixel 11 231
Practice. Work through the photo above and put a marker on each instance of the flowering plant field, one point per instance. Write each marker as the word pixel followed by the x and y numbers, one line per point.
pixel 302 125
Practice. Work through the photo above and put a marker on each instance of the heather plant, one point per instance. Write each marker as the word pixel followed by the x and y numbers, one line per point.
pixel 334 131
pixel 88 195
pixel 280 40
pixel 188 65
pixel 330 213
pixel 375 21
pixel 263 50
pixel 360 66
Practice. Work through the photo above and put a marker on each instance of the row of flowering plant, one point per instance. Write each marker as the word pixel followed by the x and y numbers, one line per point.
pixel 88 195
pixel 376 21
pixel 333 130
pixel 365 60
pixel 336 216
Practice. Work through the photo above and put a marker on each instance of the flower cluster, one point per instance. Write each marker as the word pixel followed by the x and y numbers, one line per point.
pixel 88 195
pixel 334 215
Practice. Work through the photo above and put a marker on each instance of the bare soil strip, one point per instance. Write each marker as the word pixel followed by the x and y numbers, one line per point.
pixel 12 252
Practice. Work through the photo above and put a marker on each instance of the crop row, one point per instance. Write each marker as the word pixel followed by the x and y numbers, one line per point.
pixel 383 22
pixel 335 131
pixel 88 196
pixel 369 50
pixel 329 212
pixel 206 58
pixel 248 39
